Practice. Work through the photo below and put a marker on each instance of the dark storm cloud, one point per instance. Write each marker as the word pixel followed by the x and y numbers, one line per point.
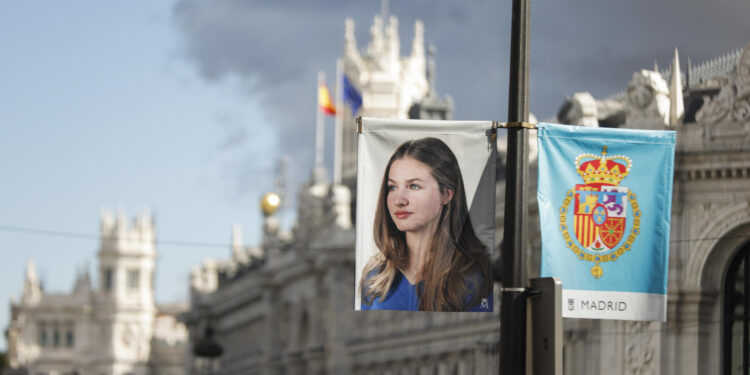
pixel 596 46
pixel 277 48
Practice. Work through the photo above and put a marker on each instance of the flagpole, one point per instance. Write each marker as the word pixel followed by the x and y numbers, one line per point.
pixel 339 122
pixel 513 296
pixel 319 128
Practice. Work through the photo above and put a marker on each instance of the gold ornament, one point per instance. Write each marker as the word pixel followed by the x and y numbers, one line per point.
pixel 270 203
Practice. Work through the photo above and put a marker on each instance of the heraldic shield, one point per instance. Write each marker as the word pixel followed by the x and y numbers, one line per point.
pixel 600 210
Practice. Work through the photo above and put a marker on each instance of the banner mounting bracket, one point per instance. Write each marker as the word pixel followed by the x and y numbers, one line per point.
pixel 526 125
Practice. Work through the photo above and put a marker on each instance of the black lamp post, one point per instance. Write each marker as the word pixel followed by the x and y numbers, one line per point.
pixel 207 352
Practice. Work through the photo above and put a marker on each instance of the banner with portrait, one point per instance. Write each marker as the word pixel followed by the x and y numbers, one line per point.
pixel 605 198
pixel 425 215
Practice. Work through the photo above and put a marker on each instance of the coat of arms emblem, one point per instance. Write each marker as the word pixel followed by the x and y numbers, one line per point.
pixel 600 213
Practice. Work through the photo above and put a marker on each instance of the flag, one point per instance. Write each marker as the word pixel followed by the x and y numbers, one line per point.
pixel 324 100
pixel 604 207
pixel 352 97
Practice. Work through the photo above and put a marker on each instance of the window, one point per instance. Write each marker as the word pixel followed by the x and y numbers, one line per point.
pixel 736 318
pixel 56 337
pixel 303 329
pixel 133 279
pixel 69 338
pixel 42 335
pixel 108 279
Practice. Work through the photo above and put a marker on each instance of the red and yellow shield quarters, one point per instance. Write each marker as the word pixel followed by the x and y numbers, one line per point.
pixel 612 231
pixel 600 215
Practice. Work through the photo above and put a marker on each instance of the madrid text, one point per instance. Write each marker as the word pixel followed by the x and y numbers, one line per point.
pixel 599 305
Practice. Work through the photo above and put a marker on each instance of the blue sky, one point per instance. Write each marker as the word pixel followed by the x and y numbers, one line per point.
pixel 185 106
pixel 98 109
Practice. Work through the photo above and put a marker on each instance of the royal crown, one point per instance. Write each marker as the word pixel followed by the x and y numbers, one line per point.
pixel 602 169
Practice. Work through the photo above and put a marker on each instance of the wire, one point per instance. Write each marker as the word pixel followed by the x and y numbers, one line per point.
pixel 57 233
pixel 664 326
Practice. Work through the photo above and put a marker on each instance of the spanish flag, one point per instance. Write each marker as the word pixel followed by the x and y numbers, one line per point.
pixel 324 100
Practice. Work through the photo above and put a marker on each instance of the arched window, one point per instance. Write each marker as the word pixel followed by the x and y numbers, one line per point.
pixel 304 328
pixel 736 315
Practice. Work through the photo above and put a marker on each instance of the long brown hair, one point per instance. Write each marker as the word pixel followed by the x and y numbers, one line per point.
pixel 458 269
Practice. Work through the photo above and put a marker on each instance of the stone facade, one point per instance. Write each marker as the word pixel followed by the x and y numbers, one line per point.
pixel 115 329
pixel 710 222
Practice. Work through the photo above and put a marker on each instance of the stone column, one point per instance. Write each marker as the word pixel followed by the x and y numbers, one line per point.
pixel 271 350
pixel 338 322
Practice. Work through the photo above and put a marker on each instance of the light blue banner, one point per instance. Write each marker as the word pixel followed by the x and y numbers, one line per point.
pixel 604 204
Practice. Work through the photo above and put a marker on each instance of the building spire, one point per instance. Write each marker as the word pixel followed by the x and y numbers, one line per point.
pixel 676 105
pixel 350 41
pixel 393 43
pixel 236 235
pixel 417 45
pixel 375 47
pixel 431 70
pixel 32 290
pixel 238 252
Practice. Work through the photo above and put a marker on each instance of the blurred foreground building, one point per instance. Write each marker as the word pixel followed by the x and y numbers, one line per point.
pixel 114 329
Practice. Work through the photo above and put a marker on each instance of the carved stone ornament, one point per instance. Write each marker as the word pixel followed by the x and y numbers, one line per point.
pixel 639 349
pixel 732 103
pixel 716 110
pixel 647 98
pixel 583 110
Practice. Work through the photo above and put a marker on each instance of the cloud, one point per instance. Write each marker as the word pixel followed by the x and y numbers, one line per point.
pixel 275 49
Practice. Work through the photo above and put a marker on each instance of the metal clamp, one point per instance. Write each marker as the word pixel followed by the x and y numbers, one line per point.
pixel 526 125
pixel 529 292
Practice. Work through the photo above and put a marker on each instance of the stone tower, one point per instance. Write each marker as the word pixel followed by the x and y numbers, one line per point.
pixel 390 85
pixel 126 300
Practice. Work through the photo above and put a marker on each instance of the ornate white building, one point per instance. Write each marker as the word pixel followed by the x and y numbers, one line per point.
pixel 286 307
pixel 114 329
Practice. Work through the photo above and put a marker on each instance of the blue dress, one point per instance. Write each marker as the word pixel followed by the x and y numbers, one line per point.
pixel 403 296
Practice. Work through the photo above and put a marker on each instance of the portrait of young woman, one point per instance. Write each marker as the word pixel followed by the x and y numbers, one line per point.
pixel 428 256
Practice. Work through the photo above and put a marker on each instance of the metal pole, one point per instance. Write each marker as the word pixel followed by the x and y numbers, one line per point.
pixel 337 145
pixel 319 124
pixel 513 298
